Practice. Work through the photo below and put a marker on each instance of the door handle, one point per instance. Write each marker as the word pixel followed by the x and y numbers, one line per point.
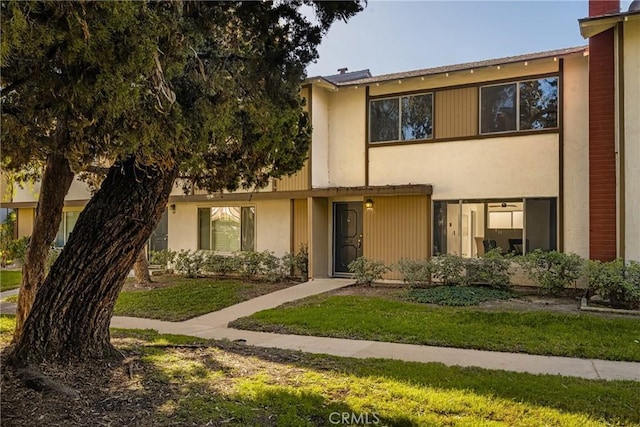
pixel 359 243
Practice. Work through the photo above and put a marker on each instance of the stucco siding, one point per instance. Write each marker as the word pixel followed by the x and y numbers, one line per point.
pixel 347 138
pixel 320 138
pixel 632 139
pixel 576 156
pixel 514 166
pixel 273 231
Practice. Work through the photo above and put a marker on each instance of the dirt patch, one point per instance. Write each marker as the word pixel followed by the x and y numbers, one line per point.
pixel 525 299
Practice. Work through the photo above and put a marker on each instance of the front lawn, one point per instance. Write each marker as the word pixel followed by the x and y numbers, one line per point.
pixel 10 279
pixel 222 383
pixel 381 319
pixel 182 298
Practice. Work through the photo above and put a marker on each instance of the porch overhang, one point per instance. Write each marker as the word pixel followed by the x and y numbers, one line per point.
pixel 375 190
pixel 34 204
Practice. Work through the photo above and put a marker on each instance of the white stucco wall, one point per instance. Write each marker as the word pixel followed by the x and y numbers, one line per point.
pixel 576 156
pixel 273 218
pixel 632 138
pixel 320 138
pixel 522 166
pixel 347 137
pixel 31 191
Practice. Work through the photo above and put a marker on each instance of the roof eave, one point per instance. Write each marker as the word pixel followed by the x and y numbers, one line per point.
pixel 592 26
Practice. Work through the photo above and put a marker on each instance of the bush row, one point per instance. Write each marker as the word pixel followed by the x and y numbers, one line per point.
pixel 615 281
pixel 248 265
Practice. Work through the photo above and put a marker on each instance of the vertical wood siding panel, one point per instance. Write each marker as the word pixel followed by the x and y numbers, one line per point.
pixel 298 181
pixel 456 113
pixel 300 224
pixel 396 228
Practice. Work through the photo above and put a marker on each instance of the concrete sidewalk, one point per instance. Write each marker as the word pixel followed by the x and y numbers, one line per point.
pixel 214 325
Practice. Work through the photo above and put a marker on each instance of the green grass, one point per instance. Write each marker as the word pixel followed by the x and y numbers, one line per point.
pixel 10 279
pixel 184 299
pixel 378 319
pixel 240 385
pixel 458 296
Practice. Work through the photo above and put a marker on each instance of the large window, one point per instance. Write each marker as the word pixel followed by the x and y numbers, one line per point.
pixel 226 229
pixel 403 118
pixel 524 105
pixel 69 220
pixel 471 227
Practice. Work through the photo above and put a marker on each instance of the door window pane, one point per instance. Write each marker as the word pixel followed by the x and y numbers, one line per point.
pixel 446 228
pixel 541 224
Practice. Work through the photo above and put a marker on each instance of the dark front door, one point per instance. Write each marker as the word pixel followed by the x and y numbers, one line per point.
pixel 159 238
pixel 347 235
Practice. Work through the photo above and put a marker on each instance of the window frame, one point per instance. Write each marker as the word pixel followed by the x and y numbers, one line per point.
pixel 63 227
pixel 212 229
pixel 437 235
pixel 398 97
pixel 517 83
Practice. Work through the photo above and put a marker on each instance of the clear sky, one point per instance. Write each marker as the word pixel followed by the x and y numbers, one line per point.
pixel 393 36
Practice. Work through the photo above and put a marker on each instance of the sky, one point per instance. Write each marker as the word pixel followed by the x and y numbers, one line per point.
pixel 394 36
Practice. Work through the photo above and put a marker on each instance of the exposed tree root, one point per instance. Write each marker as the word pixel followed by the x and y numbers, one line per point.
pixel 33 378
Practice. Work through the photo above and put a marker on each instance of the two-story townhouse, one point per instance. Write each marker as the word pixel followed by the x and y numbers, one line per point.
pixel 505 153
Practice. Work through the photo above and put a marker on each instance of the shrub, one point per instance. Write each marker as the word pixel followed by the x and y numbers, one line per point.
pixel 222 264
pixel 492 268
pixel 162 258
pixel 615 281
pixel 302 260
pixel 190 263
pixel 449 269
pixel 17 249
pixel 250 263
pixel 457 295
pixel 366 271
pixel 552 271
pixel 415 273
pixel 52 256
pixel 273 267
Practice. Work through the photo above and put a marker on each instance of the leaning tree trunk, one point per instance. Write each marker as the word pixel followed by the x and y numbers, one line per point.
pixel 71 313
pixel 56 180
pixel 141 269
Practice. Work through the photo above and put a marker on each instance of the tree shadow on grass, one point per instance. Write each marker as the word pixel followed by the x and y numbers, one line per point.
pixel 177 380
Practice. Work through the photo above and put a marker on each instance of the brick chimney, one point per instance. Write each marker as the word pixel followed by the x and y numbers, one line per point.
pixel 602 156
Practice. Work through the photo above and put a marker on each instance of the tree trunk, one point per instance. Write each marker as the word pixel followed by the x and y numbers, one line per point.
pixel 141 269
pixel 71 313
pixel 56 180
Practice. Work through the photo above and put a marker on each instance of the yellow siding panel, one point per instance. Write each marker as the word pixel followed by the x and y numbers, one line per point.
pixel 397 227
pixel 25 221
pixel 300 225
pixel 456 113
pixel 295 182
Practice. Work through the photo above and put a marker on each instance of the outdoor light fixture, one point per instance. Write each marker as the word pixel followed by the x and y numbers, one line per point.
pixel 173 208
pixel 368 204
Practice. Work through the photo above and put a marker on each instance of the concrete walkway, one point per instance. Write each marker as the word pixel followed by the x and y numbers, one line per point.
pixel 214 325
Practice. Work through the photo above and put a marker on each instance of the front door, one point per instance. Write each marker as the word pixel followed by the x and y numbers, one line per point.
pixel 159 238
pixel 347 235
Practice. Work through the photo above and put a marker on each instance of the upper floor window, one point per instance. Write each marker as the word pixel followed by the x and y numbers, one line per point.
pixel 226 228
pixel 523 105
pixel 402 118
